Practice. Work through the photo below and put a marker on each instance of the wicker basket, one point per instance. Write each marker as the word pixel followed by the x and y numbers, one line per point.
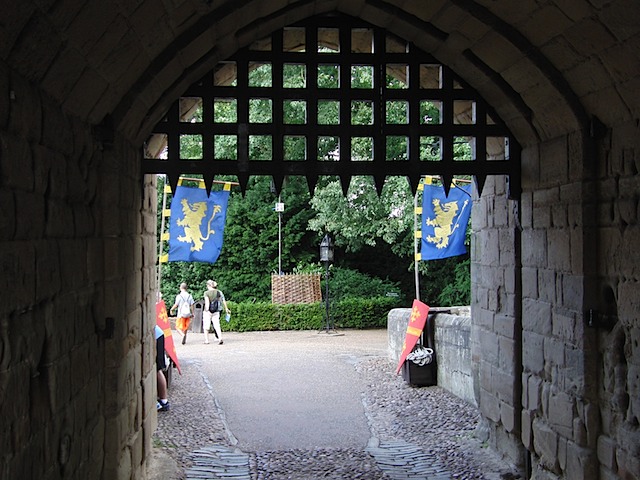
pixel 295 288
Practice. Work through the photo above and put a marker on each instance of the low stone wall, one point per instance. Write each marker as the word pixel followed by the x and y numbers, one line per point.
pixel 452 347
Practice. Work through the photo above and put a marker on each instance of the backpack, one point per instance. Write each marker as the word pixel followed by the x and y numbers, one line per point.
pixel 214 305
pixel 184 310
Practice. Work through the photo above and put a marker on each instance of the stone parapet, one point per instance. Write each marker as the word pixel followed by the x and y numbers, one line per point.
pixel 452 348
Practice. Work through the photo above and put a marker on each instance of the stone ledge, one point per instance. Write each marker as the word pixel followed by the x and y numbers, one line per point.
pixel 452 347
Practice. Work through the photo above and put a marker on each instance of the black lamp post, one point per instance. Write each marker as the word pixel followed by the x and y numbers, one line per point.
pixel 326 256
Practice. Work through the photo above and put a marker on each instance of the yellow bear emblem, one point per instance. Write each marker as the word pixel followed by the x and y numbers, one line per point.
pixel 194 214
pixel 443 222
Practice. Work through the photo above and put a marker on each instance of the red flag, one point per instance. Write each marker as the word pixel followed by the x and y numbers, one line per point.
pixel 162 319
pixel 417 321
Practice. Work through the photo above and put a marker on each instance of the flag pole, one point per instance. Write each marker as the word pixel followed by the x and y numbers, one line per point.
pixel 415 244
pixel 219 182
pixel 160 243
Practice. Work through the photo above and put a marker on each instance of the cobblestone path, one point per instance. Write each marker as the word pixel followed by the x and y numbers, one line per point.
pixel 414 433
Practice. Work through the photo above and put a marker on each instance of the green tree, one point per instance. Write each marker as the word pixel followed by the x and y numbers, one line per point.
pixel 362 218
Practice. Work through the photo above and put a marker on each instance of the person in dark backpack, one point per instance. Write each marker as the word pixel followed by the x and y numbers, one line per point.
pixel 184 305
pixel 214 302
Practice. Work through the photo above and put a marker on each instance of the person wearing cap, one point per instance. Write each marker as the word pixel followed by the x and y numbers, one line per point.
pixel 213 298
pixel 184 303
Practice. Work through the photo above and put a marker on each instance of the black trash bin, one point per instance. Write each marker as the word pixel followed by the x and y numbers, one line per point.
pixel 420 375
pixel 423 375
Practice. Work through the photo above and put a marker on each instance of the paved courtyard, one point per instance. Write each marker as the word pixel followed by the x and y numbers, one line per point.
pixel 309 405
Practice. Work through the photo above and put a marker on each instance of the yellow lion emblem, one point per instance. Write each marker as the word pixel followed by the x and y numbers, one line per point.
pixel 194 214
pixel 443 222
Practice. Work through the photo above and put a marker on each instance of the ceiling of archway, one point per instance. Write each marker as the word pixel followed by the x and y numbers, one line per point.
pixel 546 67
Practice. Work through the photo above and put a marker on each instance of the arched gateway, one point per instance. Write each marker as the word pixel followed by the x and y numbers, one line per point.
pixel 555 269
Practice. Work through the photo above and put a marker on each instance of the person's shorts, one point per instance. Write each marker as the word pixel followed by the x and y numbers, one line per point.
pixel 207 318
pixel 183 323
pixel 160 357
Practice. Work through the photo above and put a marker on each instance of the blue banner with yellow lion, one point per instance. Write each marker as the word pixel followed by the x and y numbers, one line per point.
pixel 444 221
pixel 197 225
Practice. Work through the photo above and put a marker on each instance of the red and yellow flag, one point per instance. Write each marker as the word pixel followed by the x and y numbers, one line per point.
pixel 417 321
pixel 162 319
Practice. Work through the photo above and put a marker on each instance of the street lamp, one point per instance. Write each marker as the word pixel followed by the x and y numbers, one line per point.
pixel 326 250
pixel 326 256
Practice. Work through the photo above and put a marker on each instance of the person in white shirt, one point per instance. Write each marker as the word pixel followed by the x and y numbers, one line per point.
pixel 214 302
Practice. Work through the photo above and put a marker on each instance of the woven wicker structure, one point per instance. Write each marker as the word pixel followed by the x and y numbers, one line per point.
pixel 295 288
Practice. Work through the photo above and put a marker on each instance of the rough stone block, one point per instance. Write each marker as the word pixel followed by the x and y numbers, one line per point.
pixel 5 96
pixel 554 21
pixel 536 316
pixel 607 452
pixel 505 325
pixel 483 318
pixel 16 164
pixel 8 217
pixel 563 326
pixel 73 267
pixel 489 406
pixel 47 270
pixel 559 249
pixel 504 386
pixel 526 210
pixel 542 216
pixel 26 112
pixel 554 352
pixel 534 393
pixel 534 244
pixel 529 282
pixel 56 129
pixel 18 265
pixel 572 291
pixel 547 285
pixel 489 346
pixel 36 50
pixel 606 474
pixel 30 206
pixel 545 442
pixel 561 413
pixel 526 424
pixel 582 463
pixel 507 355
pixel 592 419
pixel 59 219
pixel 508 417
pixel 562 453
pixel 559 216
pixel 533 352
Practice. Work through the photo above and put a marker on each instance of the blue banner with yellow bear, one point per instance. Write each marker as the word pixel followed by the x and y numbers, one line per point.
pixel 444 221
pixel 197 225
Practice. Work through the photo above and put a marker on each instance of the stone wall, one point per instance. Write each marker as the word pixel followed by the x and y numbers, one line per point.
pixel 560 416
pixel 77 384
pixel 617 303
pixel 495 310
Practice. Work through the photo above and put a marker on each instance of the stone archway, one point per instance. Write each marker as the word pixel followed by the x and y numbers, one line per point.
pixel 81 88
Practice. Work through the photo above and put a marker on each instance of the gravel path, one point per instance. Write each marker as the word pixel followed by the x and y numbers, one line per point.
pixel 415 433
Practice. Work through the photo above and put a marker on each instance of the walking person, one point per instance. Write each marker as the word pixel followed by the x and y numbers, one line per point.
pixel 214 302
pixel 184 303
